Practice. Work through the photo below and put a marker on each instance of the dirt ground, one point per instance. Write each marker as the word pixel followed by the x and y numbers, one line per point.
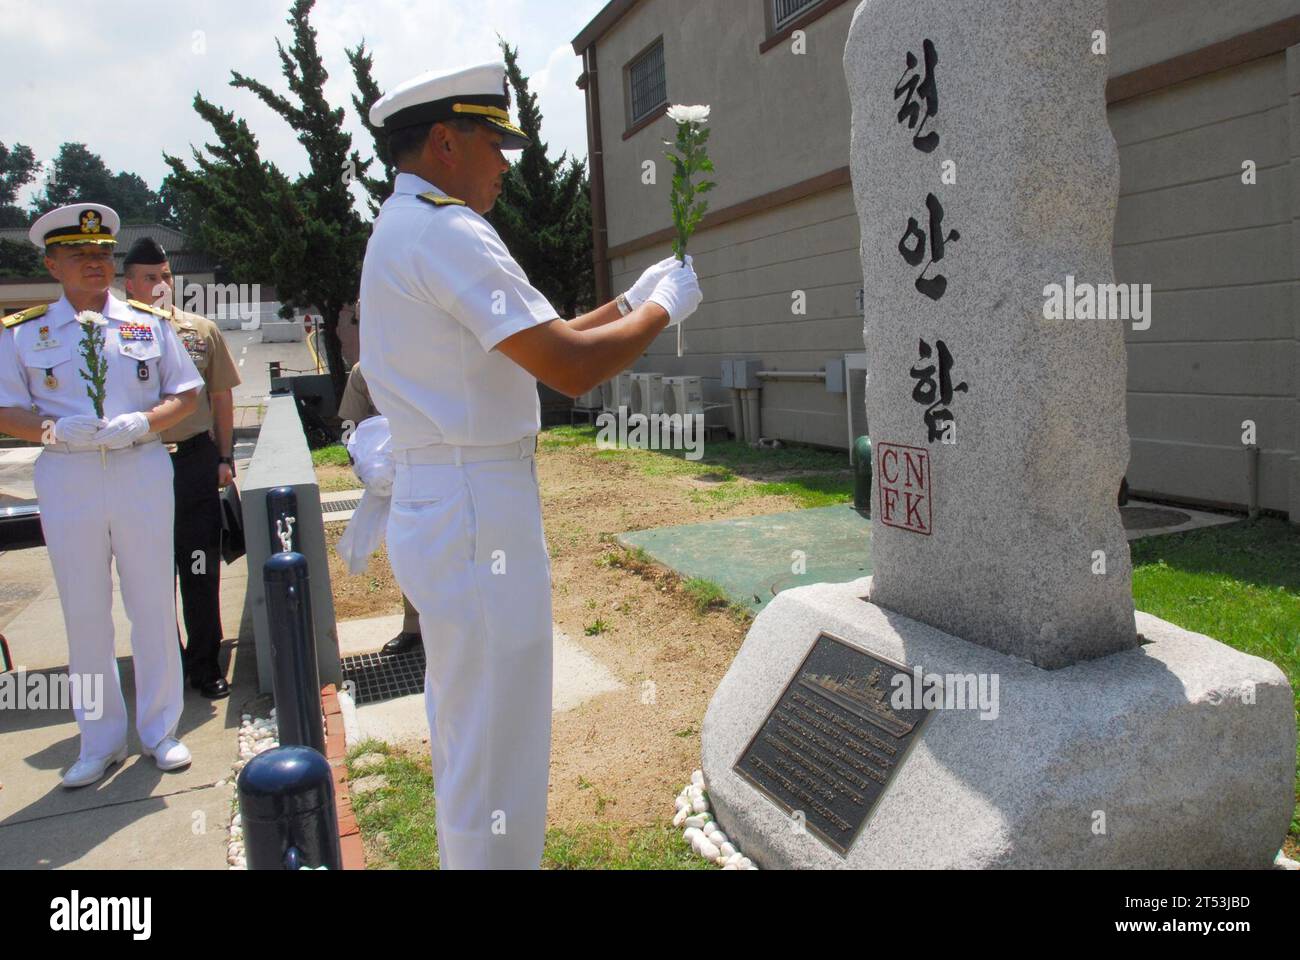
pixel 622 757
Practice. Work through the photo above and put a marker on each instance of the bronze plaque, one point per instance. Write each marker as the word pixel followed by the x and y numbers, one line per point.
pixel 833 742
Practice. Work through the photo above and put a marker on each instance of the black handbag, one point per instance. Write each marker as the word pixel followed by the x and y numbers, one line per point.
pixel 232 524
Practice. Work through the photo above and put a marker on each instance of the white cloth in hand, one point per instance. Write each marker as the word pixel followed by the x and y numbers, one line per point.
pixel 645 286
pixel 371 449
pixel 122 431
pixel 79 429
pixel 678 292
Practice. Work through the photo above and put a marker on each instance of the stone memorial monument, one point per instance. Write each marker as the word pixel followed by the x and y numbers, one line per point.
pixel 990 698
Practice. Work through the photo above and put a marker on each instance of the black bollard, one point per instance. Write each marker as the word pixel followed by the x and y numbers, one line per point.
pixel 281 518
pixel 862 470
pixel 295 675
pixel 286 804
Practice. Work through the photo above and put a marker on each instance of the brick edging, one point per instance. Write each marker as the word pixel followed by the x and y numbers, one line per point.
pixel 336 748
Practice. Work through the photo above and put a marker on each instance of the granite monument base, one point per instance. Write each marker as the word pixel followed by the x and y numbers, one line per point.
pixel 1177 754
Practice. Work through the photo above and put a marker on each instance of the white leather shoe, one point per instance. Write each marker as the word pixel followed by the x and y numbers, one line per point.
pixel 171 754
pixel 85 772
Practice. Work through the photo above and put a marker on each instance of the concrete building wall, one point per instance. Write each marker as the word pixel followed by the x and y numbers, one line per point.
pixel 1151 31
pixel 1224 344
pixel 749 269
pixel 1218 255
pixel 784 114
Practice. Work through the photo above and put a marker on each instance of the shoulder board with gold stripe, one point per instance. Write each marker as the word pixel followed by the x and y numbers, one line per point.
pixel 147 308
pixel 22 316
pixel 439 201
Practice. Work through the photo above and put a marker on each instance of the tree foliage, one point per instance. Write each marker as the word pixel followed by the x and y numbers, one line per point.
pixel 78 175
pixel 18 167
pixel 544 212
pixel 367 93
pixel 303 236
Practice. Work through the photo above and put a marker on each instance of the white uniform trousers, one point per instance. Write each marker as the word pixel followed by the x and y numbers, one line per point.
pixel 93 511
pixel 466 546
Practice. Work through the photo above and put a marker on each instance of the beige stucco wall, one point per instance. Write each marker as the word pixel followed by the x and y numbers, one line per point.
pixel 1221 257
pixel 749 269
pixel 1149 31
pixel 1218 254
pixel 783 114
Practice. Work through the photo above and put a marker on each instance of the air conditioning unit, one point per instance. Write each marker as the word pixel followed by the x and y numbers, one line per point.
pixel 647 393
pixel 591 400
pixel 684 395
pixel 617 393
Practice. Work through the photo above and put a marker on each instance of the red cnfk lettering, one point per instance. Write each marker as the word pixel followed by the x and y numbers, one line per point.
pixel 889 501
pixel 913 502
pixel 884 470
pixel 918 470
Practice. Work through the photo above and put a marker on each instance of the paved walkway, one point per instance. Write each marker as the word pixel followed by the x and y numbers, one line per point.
pixel 577 677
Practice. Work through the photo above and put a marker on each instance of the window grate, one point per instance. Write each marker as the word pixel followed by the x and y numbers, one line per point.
pixel 785 11
pixel 648 81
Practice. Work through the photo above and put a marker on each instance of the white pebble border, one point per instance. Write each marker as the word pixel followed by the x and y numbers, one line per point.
pixel 255 736
pixel 702 831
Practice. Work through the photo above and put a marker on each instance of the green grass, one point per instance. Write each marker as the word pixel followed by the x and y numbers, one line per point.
pixel 1239 584
pixel 403 812
pixel 705 595
pixel 723 463
pixel 335 456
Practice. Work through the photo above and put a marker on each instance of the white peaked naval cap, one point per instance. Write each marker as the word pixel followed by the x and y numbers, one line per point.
pixel 474 93
pixel 76 223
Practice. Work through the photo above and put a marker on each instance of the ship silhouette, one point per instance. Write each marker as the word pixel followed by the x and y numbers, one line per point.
pixel 864 698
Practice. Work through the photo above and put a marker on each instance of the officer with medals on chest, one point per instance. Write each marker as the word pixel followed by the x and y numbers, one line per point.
pixel 104 484
pixel 454 343
pixel 202 451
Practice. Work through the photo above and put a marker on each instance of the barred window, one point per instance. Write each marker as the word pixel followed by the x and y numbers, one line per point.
pixel 647 81
pixel 786 11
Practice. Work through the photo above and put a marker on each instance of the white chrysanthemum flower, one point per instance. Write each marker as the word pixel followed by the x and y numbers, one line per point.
pixel 680 113
pixel 89 318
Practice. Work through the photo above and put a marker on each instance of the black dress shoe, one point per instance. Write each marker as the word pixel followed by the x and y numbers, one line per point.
pixel 402 643
pixel 215 689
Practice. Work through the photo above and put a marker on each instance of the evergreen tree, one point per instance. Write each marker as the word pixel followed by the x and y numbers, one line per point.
pixel 367 93
pixel 241 210
pixel 544 212
pixel 18 167
pixel 306 236
pixel 78 175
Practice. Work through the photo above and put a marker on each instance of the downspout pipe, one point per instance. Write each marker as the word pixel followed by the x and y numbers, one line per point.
pixel 590 82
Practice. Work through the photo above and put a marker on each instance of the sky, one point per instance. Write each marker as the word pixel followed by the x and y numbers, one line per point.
pixel 122 77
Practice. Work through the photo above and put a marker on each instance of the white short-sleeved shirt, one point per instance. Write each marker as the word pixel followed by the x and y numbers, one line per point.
pixel 439 291
pixel 41 363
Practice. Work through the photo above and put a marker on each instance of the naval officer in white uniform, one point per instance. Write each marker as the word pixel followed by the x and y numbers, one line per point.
pixel 100 507
pixel 454 343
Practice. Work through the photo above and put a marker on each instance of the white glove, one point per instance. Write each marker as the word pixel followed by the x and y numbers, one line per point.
pixel 678 293
pixel 645 286
pixel 122 431
pixel 76 429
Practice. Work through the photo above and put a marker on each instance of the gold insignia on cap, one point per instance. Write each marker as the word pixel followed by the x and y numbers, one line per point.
pixel 90 221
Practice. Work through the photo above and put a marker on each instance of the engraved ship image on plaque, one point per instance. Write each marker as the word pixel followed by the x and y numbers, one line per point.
pixel 864 698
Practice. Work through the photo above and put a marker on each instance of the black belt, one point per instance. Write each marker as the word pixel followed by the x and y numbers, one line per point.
pixel 189 446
